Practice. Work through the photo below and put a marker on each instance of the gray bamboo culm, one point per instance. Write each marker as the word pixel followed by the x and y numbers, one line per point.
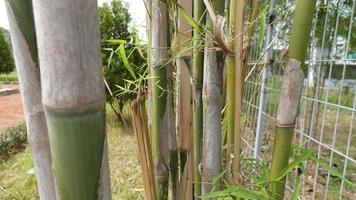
pixel 73 96
pixel 23 40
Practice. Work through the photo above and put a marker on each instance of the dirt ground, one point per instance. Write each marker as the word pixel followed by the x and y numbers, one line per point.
pixel 11 112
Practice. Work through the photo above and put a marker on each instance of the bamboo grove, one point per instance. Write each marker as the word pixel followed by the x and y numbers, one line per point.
pixel 209 38
pixel 187 120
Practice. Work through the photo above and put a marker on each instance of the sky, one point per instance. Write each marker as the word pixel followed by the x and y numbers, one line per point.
pixel 136 9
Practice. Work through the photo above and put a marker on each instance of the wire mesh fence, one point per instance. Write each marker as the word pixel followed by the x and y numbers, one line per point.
pixel 327 123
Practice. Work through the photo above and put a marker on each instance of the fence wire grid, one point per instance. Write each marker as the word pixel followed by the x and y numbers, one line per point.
pixel 326 123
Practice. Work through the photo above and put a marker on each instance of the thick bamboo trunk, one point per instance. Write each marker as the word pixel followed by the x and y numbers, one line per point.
pixel 290 92
pixel 212 106
pixel 197 81
pixel 23 38
pixel 239 28
pixel 230 93
pixel 73 96
pixel 160 116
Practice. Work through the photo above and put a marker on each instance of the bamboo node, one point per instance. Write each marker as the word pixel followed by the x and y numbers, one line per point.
pixel 285 125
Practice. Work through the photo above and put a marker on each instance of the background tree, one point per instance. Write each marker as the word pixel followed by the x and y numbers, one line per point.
pixel 6 60
pixel 6 33
pixel 114 25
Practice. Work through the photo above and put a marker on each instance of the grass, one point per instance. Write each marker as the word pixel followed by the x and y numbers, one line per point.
pixel 126 180
pixel 12 140
pixel 15 180
pixel 10 78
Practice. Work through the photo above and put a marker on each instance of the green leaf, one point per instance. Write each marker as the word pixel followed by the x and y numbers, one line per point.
pixel 333 171
pixel 126 61
pixel 303 155
pixel 222 193
pixel 244 193
pixel 262 28
pixel 296 192
pixel 187 17
pixel 115 41
pixel 110 58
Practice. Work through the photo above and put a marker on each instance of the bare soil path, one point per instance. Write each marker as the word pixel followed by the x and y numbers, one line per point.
pixel 11 112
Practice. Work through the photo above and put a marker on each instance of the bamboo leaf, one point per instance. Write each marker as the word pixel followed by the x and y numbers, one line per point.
pixel 218 177
pixel 115 41
pixel 292 165
pixel 296 192
pixel 333 171
pixel 262 28
pixel 125 60
pixel 187 17
pixel 110 58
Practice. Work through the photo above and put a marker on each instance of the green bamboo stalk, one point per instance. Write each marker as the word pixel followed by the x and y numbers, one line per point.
pixel 160 133
pixel 250 30
pixel 249 36
pixel 22 29
pixel 230 93
pixel 197 75
pixel 239 29
pixel 73 96
pixel 291 92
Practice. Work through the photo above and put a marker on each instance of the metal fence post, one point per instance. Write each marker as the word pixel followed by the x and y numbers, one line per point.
pixel 263 91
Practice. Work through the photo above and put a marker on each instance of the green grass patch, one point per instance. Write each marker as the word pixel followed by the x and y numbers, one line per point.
pixel 12 140
pixel 10 78
pixel 16 179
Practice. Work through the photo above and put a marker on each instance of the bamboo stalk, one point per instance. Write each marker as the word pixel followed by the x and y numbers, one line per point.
pixel 73 96
pixel 187 176
pixel 184 114
pixel 230 93
pixel 173 149
pixel 290 92
pixel 212 106
pixel 184 106
pixel 160 116
pixel 249 37
pixel 239 29
pixel 251 29
pixel 197 76
pixel 23 38
pixel 149 61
